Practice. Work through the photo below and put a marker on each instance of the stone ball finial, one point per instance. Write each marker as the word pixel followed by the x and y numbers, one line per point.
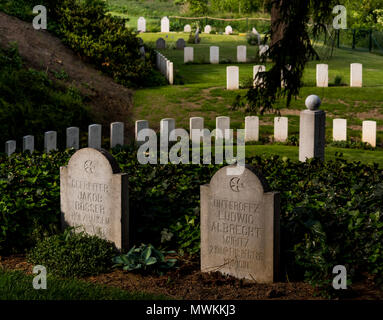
pixel 313 102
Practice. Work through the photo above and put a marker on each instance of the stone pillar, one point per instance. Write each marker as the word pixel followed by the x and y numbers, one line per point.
pixel 94 136
pixel 339 130
pixel 50 141
pixel 116 134
pixel 10 147
pixel 312 130
pixel 251 128
pixel 232 78
pixel 73 138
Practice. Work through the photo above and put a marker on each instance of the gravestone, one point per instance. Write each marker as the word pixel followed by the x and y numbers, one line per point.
pixel 369 132
pixel 195 123
pixel 50 141
pixel 165 24
pixel 356 75
pixel 263 50
pixel 240 226
pixel 251 128
pixel 29 143
pixel 140 125
pixel 94 196
pixel 207 29
pixel 280 129
pixel 228 30
pixel 94 136
pixel 141 24
pixel 214 55
pixel 339 130
pixel 322 75
pixel 241 53
pixel 171 73
pixel 232 78
pixel 187 28
pixel 180 44
pixel 116 134
pixel 167 125
pixel 73 138
pixel 256 69
pixel 10 147
pixel 160 43
pixel 188 54
pixel 222 126
pixel 312 125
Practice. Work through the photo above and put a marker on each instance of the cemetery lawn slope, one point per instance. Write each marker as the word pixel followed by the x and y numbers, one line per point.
pixel 42 51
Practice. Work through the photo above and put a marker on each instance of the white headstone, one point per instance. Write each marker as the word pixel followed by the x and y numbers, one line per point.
pixel 73 138
pixel 214 55
pixel 116 134
pixel 280 129
pixel 196 123
pixel 251 128
pixel 10 147
pixel 222 124
pixel 165 24
pixel 188 54
pixel 232 78
pixel 187 28
pixel 50 141
pixel 140 125
pixel 228 30
pixel 94 136
pixel 29 143
pixel 171 73
pixel 322 75
pixel 263 49
pixel 241 54
pixel 339 130
pixel 240 228
pixel 369 132
pixel 207 29
pixel 356 75
pixel 167 125
pixel 256 69
pixel 94 196
pixel 141 24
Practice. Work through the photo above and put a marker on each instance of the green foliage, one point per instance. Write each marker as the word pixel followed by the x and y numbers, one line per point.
pixel 351 144
pixel 30 103
pixel 252 39
pixel 73 254
pixel 145 257
pixel 199 7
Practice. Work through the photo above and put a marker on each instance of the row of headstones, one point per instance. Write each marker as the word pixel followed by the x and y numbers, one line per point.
pixel 165 26
pixel 356 75
pixel 214 53
pixel 165 66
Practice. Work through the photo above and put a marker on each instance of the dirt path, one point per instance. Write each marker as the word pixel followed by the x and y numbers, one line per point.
pixel 42 51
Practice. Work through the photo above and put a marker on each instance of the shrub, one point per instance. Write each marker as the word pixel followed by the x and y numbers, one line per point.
pixel 73 254
pixel 252 39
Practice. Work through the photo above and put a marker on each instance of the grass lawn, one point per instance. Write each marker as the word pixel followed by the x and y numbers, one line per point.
pixel 16 285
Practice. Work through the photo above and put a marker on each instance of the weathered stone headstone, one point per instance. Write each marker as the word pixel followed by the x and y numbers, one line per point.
pixel 167 125
pixel 256 69
pixel 73 138
pixel 280 129
pixel 222 125
pixel 94 136
pixel 228 30
pixel 180 44
pixel 312 127
pixel 251 128
pixel 322 75
pixel 369 132
pixel 187 28
pixel 140 125
pixel 240 226
pixel 339 130
pixel 188 54
pixel 241 53
pixel 195 123
pixel 356 75
pixel 207 29
pixel 141 24
pixel 165 24
pixel 10 147
pixel 116 134
pixel 171 73
pixel 263 50
pixel 232 78
pixel 94 196
pixel 29 143
pixel 50 141
pixel 214 55
pixel 160 43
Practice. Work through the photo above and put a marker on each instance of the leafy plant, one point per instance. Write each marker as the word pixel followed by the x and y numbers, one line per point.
pixel 72 254
pixel 144 257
